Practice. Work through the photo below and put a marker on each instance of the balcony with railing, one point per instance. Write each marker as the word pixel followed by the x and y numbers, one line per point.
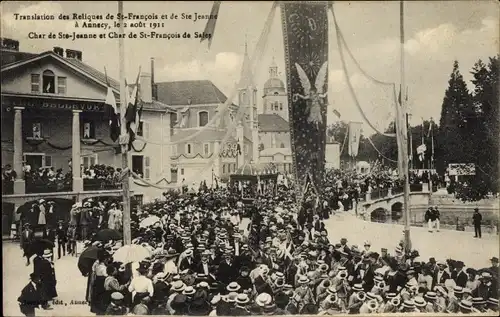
pixel 100 184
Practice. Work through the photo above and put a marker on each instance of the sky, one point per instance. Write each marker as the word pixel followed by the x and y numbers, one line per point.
pixel 436 34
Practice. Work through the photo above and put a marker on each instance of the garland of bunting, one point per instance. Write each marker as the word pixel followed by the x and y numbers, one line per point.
pixel 37 142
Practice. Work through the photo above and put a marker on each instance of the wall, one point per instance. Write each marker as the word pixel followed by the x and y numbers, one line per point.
pixel 78 86
pixel 271 98
pixel 193 113
pixel 280 137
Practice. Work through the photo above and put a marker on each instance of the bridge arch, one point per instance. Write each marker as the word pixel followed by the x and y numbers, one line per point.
pixel 379 215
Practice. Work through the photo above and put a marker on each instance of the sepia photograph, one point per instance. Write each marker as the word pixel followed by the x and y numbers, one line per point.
pixel 237 158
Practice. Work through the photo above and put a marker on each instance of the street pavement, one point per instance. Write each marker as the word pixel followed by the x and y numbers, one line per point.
pixel 446 244
pixel 71 285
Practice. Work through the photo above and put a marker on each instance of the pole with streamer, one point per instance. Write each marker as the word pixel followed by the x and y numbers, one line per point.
pixel 127 235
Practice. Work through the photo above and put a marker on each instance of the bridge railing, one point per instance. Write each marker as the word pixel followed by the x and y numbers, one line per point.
pixel 380 193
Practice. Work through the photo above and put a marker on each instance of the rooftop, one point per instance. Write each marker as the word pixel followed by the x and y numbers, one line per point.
pixel 272 123
pixel 190 92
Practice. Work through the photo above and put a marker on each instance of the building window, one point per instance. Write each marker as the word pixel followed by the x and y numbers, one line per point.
pixel 282 145
pixel 138 165
pixel 223 168
pixel 89 160
pixel 189 148
pixel 255 97
pixel 206 149
pixel 202 118
pixel 281 106
pixel 182 171
pixel 173 119
pixel 49 82
pixel 61 85
pixel 36 130
pixel 35 83
pixel 48 161
pixel 88 130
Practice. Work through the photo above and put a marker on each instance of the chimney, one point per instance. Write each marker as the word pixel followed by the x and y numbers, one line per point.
pixel 145 86
pixel 154 91
pixel 74 54
pixel 10 44
pixel 59 51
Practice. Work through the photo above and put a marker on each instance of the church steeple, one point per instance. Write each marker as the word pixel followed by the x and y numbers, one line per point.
pixel 246 77
pixel 273 69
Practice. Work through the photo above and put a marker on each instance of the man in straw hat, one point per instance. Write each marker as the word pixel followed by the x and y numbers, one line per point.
pixel 116 306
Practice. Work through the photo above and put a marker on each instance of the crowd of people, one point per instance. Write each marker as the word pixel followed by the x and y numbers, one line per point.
pixel 199 259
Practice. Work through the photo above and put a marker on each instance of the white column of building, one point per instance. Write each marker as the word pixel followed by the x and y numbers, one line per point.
pixel 75 153
pixel 19 186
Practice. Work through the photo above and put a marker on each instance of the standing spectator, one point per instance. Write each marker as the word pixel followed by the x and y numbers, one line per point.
pixel 85 220
pixel 71 237
pixel 429 215
pixel 477 218
pixel 436 217
pixel 62 239
pixel 26 239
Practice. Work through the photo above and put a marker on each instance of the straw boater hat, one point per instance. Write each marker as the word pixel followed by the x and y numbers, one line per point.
pixel 408 304
pixel 47 253
pixel 331 290
pixel 357 288
pixel 189 290
pixel 478 301
pixel 242 299
pixel 263 299
pixel 492 301
pixel 390 295
pixel 431 295
pixel 303 280
pixel 116 296
pixel 419 302
pixel 233 287
pixel 465 304
pixel 178 286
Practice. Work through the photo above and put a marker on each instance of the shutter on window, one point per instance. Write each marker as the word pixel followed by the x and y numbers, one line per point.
pixel 146 168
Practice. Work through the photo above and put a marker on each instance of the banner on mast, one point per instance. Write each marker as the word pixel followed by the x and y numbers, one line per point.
pixel 305 32
pixel 354 136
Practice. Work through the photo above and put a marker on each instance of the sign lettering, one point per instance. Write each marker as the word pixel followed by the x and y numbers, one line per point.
pixel 86 106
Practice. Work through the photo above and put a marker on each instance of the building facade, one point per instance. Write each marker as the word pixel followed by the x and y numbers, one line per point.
pixel 53 115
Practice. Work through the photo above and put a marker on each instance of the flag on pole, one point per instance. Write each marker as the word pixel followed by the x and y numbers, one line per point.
pixel 430 128
pixel 111 112
pixel 354 136
pixel 131 112
pixel 210 26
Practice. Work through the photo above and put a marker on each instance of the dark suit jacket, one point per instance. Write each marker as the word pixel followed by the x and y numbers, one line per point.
pixel 226 273
pixel 30 298
pixel 184 265
pixel 444 277
pixel 26 238
pixel 461 279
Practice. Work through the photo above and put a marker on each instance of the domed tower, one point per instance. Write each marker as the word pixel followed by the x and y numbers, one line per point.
pixel 275 97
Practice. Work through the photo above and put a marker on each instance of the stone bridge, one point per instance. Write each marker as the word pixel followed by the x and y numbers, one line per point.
pixel 388 203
